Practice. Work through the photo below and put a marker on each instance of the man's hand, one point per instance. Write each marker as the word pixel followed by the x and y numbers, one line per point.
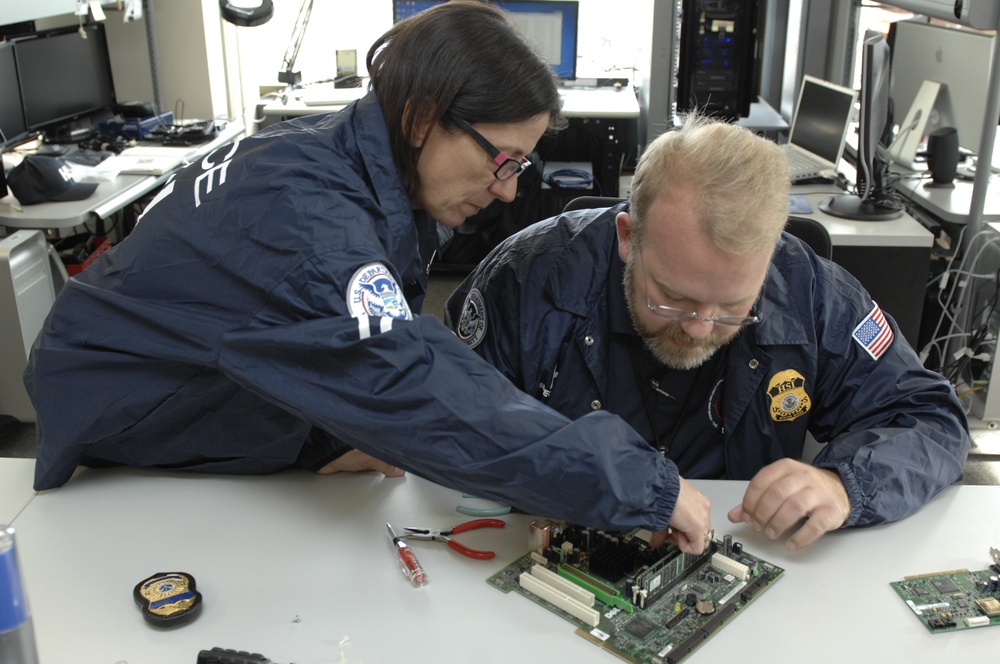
pixel 355 461
pixel 690 523
pixel 787 491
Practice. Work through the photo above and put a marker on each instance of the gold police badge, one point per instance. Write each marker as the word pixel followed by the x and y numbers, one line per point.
pixel 788 396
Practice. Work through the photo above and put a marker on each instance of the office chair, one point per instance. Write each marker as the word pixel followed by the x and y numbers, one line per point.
pixel 812 233
pixel 808 230
pixel 584 202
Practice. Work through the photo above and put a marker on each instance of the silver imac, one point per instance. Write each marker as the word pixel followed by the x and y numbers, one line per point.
pixel 956 59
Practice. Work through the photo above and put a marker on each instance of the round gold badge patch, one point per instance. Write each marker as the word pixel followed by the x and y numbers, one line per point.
pixel 788 396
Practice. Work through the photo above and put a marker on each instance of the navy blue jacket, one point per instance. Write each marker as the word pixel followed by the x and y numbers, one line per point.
pixel 274 288
pixel 894 431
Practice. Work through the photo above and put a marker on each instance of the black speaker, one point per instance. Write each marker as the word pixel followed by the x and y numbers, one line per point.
pixel 942 157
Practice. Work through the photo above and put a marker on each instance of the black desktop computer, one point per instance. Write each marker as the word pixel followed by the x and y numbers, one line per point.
pixel 717 63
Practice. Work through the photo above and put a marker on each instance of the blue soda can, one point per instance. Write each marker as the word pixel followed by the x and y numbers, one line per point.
pixel 17 636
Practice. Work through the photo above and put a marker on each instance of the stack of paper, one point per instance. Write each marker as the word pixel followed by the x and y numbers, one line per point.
pixel 144 160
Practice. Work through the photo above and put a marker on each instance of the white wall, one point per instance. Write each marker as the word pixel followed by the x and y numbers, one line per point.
pixel 16 11
pixel 189 56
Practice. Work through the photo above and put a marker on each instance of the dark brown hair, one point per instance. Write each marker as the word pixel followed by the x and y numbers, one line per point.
pixel 460 59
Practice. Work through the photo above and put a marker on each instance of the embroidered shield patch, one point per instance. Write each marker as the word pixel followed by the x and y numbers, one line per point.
pixel 472 323
pixel 373 292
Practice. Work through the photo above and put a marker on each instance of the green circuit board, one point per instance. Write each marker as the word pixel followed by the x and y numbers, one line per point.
pixel 956 600
pixel 648 606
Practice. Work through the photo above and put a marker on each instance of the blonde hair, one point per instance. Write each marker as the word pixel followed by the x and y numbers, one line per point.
pixel 740 180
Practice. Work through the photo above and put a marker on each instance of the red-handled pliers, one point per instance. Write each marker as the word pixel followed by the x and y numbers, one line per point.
pixel 442 536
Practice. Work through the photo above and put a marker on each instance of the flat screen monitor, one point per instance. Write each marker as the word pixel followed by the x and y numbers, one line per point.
pixel 959 60
pixel 63 75
pixel 550 26
pixel 406 8
pixel 12 125
pixel 875 200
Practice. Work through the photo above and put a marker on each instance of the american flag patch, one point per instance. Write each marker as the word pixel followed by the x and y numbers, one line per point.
pixel 874 333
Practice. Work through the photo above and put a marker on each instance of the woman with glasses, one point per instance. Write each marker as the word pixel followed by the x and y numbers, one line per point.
pixel 721 340
pixel 264 314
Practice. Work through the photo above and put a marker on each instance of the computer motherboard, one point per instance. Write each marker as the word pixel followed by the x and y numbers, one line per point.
pixel 649 606
pixel 950 601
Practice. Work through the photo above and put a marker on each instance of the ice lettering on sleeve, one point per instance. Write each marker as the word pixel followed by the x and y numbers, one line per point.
pixel 374 293
pixel 213 173
pixel 873 333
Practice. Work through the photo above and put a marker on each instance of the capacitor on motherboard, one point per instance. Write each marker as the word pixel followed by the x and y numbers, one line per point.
pixel 727 544
pixel 705 607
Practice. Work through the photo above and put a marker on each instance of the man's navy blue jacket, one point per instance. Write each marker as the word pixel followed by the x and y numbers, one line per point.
pixel 537 309
pixel 274 287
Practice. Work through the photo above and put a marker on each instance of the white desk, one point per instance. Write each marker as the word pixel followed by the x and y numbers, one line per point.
pixel 15 487
pixel 902 232
pixel 310 100
pixel 109 197
pixel 950 204
pixel 891 259
pixel 291 564
pixel 577 102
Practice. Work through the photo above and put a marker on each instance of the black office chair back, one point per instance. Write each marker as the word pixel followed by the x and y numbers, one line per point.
pixel 585 202
pixel 812 233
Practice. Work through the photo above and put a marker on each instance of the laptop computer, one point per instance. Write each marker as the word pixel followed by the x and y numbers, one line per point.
pixel 819 128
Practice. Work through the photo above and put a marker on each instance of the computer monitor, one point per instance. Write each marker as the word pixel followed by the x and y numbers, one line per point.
pixel 959 60
pixel 406 8
pixel 551 26
pixel 63 75
pixel 874 200
pixel 12 125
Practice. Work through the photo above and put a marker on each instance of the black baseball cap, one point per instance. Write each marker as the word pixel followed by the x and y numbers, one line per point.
pixel 41 179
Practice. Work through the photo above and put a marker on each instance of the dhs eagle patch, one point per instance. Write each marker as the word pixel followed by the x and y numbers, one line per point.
pixel 472 323
pixel 373 292
pixel 789 400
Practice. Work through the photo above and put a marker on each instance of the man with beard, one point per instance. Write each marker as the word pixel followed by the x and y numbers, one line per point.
pixel 721 340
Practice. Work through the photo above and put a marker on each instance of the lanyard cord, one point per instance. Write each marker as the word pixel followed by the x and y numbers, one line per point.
pixel 664 449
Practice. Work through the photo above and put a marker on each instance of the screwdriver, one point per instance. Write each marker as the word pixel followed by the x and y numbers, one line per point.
pixel 408 563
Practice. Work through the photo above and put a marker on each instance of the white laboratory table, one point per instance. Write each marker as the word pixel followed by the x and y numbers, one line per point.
pixel 109 197
pixel 891 258
pixel 586 102
pixel 15 487
pixel 950 204
pixel 298 567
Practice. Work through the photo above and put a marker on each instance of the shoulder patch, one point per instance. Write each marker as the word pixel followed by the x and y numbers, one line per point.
pixel 874 333
pixel 472 323
pixel 789 399
pixel 373 292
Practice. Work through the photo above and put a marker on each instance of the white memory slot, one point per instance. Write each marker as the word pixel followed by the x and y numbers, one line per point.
pixel 560 599
pixel 726 564
pixel 585 597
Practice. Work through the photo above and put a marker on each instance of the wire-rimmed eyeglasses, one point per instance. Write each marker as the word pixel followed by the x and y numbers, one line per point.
pixel 680 315
pixel 507 166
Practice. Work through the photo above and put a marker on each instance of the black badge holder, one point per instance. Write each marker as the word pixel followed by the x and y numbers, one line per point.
pixel 168 599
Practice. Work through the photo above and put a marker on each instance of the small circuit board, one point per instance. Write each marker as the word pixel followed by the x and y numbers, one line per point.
pixel 648 606
pixel 950 601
